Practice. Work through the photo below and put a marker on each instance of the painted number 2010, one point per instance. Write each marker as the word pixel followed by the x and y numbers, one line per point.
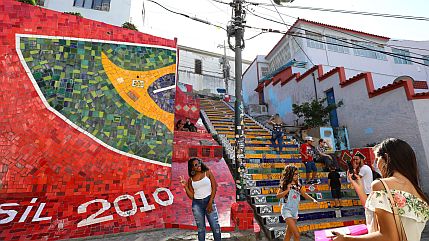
pixel 93 218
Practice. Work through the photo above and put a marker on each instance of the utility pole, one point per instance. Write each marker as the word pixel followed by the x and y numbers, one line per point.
pixel 236 29
pixel 225 67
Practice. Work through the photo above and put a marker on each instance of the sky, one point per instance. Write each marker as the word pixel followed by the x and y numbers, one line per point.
pixel 165 24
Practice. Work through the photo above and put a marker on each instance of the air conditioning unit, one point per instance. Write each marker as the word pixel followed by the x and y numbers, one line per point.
pixel 256 110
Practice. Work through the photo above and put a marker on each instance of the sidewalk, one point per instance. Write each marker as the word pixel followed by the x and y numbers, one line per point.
pixel 184 235
pixel 191 235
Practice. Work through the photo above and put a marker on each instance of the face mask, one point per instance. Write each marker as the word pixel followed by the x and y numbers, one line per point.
pixel 375 166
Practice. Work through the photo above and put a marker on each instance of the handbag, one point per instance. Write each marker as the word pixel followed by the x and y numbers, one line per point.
pixel 398 222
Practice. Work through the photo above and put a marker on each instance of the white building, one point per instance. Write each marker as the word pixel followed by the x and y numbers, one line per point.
pixel 204 71
pixel 374 107
pixel 115 12
pixel 316 43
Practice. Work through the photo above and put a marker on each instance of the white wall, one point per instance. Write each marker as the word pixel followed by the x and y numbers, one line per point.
pixel 212 76
pixel 251 79
pixel 368 120
pixel 384 70
pixel 120 11
pixel 421 108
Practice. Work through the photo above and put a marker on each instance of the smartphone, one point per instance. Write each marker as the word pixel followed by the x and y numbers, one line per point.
pixel 351 170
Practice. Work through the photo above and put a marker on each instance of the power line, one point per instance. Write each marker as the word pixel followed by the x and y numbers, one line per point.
pixel 222 10
pixel 341 45
pixel 292 36
pixel 357 36
pixel 386 15
pixel 338 39
pixel 256 35
pixel 187 16
pixel 345 41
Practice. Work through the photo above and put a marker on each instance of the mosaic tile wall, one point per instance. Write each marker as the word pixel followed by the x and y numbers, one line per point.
pixel 86 126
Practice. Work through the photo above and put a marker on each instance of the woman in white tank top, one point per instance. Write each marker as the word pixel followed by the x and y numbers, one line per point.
pixel 201 189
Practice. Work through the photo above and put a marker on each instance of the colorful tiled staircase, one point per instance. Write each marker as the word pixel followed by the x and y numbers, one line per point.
pixel 263 170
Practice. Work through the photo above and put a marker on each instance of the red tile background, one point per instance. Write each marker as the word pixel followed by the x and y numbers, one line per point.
pixel 43 157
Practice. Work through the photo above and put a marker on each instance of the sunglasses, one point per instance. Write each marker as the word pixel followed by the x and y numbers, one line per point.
pixel 198 164
pixel 296 174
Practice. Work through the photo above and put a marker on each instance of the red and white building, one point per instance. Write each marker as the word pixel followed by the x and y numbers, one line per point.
pixel 382 82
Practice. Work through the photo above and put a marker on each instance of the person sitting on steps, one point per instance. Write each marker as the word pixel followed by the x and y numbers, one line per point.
pixel 323 157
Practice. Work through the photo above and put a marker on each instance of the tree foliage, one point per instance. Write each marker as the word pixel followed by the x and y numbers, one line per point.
pixel 74 13
pixel 129 25
pixel 32 2
pixel 316 112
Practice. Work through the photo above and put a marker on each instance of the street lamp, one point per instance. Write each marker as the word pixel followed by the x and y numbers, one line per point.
pixel 278 2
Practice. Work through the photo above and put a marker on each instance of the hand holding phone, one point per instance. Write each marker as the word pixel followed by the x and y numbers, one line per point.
pixel 351 170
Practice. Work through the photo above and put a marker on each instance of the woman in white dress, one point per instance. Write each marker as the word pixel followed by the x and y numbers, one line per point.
pixel 397 162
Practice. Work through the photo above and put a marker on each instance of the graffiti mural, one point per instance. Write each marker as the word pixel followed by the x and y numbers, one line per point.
pixel 87 126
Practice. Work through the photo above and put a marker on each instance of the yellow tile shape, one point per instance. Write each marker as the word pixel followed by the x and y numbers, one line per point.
pixel 137 96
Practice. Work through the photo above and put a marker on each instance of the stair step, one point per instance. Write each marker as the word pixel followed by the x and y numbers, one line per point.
pixel 314 214
pixel 277 231
pixel 266 190
pixel 278 165
pixel 275 207
pixel 320 195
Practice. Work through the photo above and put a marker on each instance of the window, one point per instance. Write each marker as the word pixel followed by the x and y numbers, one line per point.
pixel 102 5
pixel 264 71
pixel 426 59
pixel 314 40
pixel 334 43
pixel 404 56
pixel 79 3
pixel 198 66
pixel 363 49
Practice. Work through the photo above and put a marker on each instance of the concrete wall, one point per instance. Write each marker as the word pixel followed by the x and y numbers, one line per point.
pixel 421 110
pixel 212 76
pixel 250 82
pixel 384 70
pixel 251 78
pixel 368 120
pixel 121 11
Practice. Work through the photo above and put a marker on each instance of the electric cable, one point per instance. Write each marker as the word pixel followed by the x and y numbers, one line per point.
pixel 292 36
pixel 386 15
pixel 407 58
pixel 187 16
pixel 356 36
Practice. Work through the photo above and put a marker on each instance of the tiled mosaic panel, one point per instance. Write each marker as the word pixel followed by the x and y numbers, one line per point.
pixel 46 161
pixel 72 77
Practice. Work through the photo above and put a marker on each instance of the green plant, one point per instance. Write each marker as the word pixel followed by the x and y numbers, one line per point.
pixel 129 25
pixel 316 112
pixel 32 2
pixel 74 13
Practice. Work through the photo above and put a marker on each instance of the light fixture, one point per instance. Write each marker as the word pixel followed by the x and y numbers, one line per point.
pixel 278 2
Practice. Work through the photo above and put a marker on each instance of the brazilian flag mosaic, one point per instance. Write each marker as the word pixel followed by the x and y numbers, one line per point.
pixel 120 94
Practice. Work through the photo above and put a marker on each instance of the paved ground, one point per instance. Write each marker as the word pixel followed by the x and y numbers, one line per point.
pixel 190 235
pixel 182 235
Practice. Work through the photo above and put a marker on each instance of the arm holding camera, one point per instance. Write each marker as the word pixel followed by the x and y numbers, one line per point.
pixel 356 181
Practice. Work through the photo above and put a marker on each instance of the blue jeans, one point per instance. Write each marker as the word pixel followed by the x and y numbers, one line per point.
pixel 199 209
pixel 277 136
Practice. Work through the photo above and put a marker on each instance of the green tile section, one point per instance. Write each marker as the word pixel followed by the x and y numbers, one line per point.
pixel 70 75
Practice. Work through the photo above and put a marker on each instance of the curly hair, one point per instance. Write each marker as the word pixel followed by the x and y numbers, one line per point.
pixel 287 176
pixel 191 172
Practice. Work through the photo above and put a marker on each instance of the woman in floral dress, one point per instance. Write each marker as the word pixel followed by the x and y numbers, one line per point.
pixel 397 162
